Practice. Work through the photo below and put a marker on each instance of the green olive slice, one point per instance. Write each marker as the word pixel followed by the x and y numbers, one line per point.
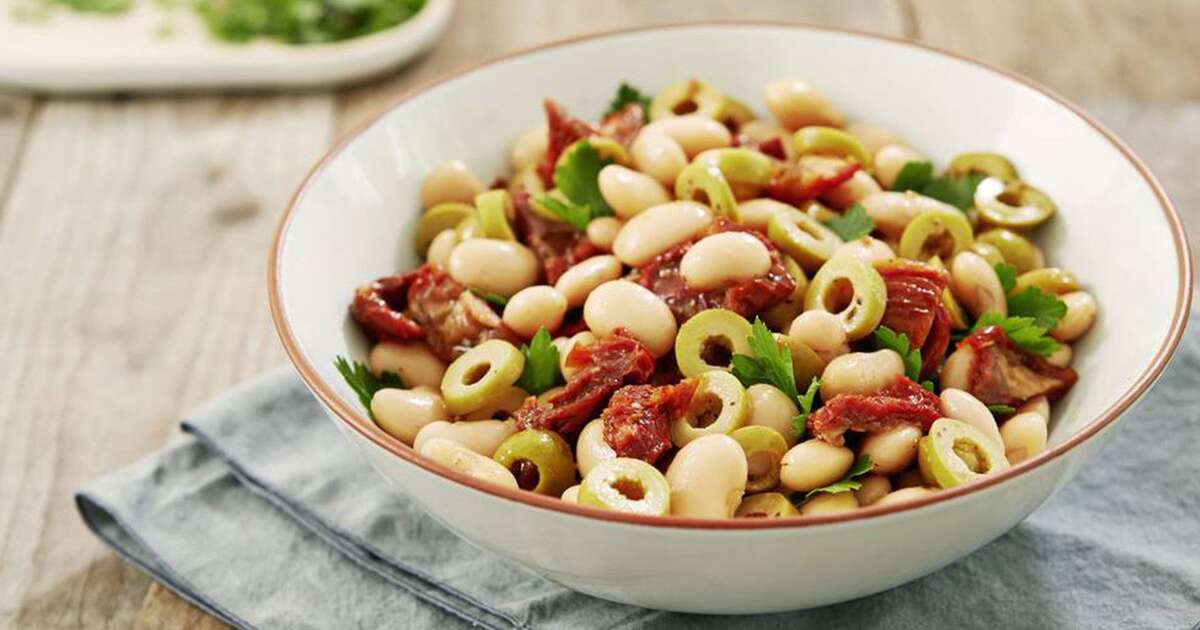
pixel 936 232
pixel 955 453
pixel 803 238
pixel 1012 204
pixel 734 113
pixel 444 216
pixel 692 96
pixel 705 184
pixel 480 375
pixel 495 206
pixel 830 141
pixel 469 228
pixel 982 163
pixel 851 289
pixel 958 319
pixel 764 449
pixel 1052 280
pixel 1017 250
pixel 540 460
pixel 626 485
pixel 709 339
pixel 720 405
pixel 766 505
pixel 989 252
pixel 738 165
pixel 780 316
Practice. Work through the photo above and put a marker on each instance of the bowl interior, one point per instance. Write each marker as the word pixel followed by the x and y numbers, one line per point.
pixel 354 218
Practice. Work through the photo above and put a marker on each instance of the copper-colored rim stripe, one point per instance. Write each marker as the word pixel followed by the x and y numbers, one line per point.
pixel 368 429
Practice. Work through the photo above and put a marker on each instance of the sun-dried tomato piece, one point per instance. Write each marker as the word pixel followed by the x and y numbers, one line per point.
pixel 1003 374
pixel 378 306
pixel 772 147
pixel 624 124
pixel 903 402
pixel 637 420
pixel 914 307
pixel 662 276
pixel 563 130
pixel 603 367
pixel 557 245
pixel 808 178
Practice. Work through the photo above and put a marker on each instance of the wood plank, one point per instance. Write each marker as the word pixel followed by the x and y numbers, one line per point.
pixel 163 609
pixel 133 243
pixel 483 29
pixel 15 113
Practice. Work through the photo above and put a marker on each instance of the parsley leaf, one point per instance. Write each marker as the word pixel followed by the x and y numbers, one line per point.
pixel 1023 331
pixel 861 467
pixel 914 176
pixel 800 422
pixel 576 177
pixel 1001 410
pixel 541 364
pixel 888 339
pixel 771 363
pixel 854 224
pixel 627 94
pixel 488 296
pixel 956 191
pixel 363 382
pixel 1007 275
pixel 1045 309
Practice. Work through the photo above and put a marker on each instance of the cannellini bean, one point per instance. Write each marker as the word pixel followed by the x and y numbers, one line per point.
pixel 603 231
pixel 852 190
pixel 658 229
pixel 658 156
pixel 440 248
pixel 629 192
pixel 1081 313
pixel 501 267
pixel 404 412
pixel 867 249
pixel 585 338
pixel 892 450
pixel 449 181
pixel 873 137
pixel 756 213
pixel 826 503
pixel 707 477
pixel 813 464
pixel 890 159
pixel 904 495
pixel 892 211
pixel 961 405
pixel 975 285
pixel 796 104
pixel 822 332
pixel 577 282
pixel 571 495
pixel 1024 436
pixel 773 409
pixel 874 488
pixel 1039 405
pixel 623 304
pixel 724 258
pixel 1062 356
pixel 861 373
pixel 591 448
pixel 456 457
pixel 956 370
pixel 763 130
pixel 480 436
pixel 535 307
pixel 529 147
pixel 694 133
pixel 416 364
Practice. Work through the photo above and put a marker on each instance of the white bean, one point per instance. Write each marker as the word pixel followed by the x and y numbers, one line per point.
pixel 763 130
pixel 975 285
pixel 529 147
pixel 961 405
pixel 603 231
pixel 904 495
pixel 890 159
pixel 1081 313
pixel 456 457
pixel 771 408
pixel 891 450
pixel 535 307
pixel 571 495
pixel 892 211
pixel 852 190
pixel 480 436
pixel 629 192
pixel 1024 436
pixel 829 503
pixel 585 338
pixel 867 249
pixel 623 304
pixel 822 332
pixel 756 213
pixel 415 363
pixel 1062 356
pixel 872 136
pixel 449 181
pixel 722 259
pixel 874 488
pixel 404 412
pixel 796 104
pixel 813 464
pixel 658 156
pixel 956 371
pixel 707 477
pixel 658 229
pixel 694 133
pixel 440 248
pixel 1039 405
pixel 501 267
pixel 861 373
pixel 577 282
pixel 591 447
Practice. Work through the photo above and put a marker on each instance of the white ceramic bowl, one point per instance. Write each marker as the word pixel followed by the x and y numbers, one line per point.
pixel 352 221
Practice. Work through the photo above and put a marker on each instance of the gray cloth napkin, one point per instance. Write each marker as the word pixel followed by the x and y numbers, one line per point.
pixel 267 518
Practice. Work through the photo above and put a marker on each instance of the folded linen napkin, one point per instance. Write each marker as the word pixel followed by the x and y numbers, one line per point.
pixel 267 518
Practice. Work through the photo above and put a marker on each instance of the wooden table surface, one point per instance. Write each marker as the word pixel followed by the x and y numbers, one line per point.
pixel 133 235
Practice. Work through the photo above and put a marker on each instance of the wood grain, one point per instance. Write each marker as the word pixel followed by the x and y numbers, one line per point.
pixel 15 114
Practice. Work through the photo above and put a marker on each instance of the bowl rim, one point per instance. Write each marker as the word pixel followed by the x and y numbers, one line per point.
pixel 360 423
